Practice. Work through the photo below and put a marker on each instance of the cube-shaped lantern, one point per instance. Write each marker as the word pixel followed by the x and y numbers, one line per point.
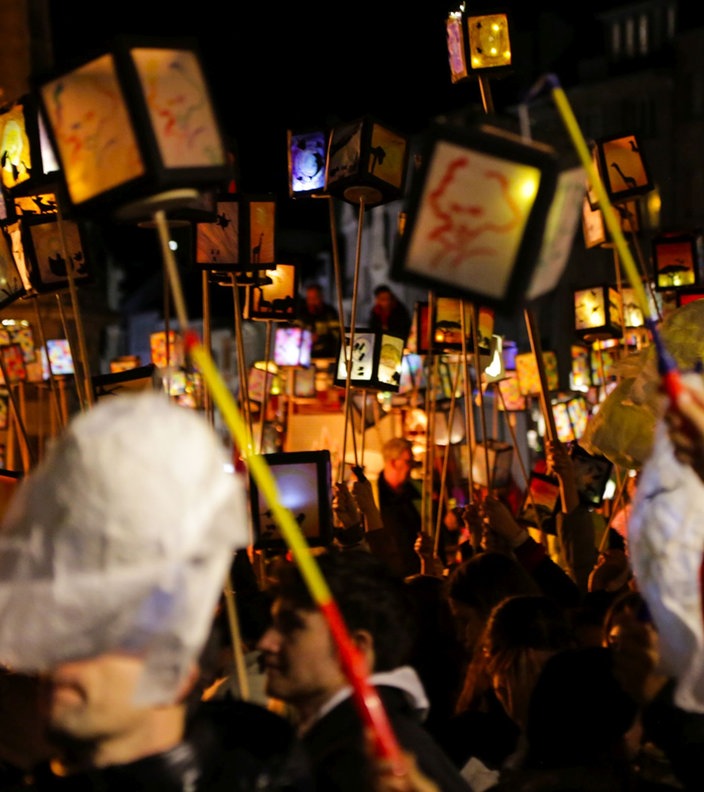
pixel 476 214
pixel 27 158
pixel 307 153
pixel 509 392
pixel 166 351
pixel 495 456
pixel 677 259
pixel 375 360
pixel 688 295
pixel 580 370
pixel 366 160
pixel 135 122
pixel 242 238
pixel 529 374
pixel 477 44
pixel 50 247
pixel 632 311
pixel 597 313
pixel 12 286
pixel 446 326
pixel 622 167
pixel 274 301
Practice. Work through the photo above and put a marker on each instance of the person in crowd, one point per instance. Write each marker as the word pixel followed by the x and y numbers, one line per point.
pixel 399 506
pixel 304 669
pixel 389 314
pixel 113 554
pixel 578 723
pixel 322 319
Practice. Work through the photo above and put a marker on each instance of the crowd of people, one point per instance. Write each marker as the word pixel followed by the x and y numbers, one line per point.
pixel 132 621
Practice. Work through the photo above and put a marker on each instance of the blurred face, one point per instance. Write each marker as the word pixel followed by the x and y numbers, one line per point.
pixel 299 657
pixel 314 300
pixel 514 683
pixel 469 624
pixel 91 699
pixel 397 471
pixel 384 300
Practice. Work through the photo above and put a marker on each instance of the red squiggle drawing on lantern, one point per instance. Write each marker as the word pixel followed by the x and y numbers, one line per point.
pixel 459 239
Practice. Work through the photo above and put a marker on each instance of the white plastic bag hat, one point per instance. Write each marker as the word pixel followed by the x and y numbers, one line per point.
pixel 121 539
pixel 666 543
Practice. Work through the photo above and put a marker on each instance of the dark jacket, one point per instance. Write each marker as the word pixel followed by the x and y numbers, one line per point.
pixel 232 746
pixel 336 751
pixel 402 524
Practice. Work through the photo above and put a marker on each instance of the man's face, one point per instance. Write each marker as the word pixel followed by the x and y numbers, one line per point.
pixel 92 699
pixel 384 300
pixel 314 300
pixel 300 659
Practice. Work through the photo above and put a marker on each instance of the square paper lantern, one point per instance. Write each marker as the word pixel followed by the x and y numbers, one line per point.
pixel 13 363
pixel 677 260
pixel 688 295
pixel 60 358
pixel 476 214
pixel 375 361
pixel 563 427
pixel 303 484
pixel 632 312
pixel 51 246
pixel 510 397
pixel 242 238
pixel 477 44
pixel 578 412
pixel 20 332
pixel 498 457
pixel 163 357
pixel 622 167
pixel 366 160
pixel 529 376
pixel 26 155
pixel 604 361
pixel 597 313
pixel 580 371
pixel 446 330
pixel 11 285
pixel 593 225
pixel 134 122
pixel 293 346
pixel 307 153
pixel 274 300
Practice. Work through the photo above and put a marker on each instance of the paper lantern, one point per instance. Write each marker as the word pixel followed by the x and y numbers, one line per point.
pixel 622 167
pixel 133 123
pixel 510 397
pixel 375 361
pixel 366 160
pixel 598 313
pixel 292 346
pixel 500 459
pixel 12 287
pixel 27 158
pixel 529 376
pixel 274 301
pixel 677 259
pixel 49 246
pixel 446 326
pixel 304 486
pixel 689 294
pixel 307 154
pixel 580 370
pixel 477 44
pixel 476 214
pixel 242 238
pixel 162 356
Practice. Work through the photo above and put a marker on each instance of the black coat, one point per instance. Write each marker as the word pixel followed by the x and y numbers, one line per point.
pixel 336 751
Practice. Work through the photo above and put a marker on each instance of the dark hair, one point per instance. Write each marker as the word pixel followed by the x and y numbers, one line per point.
pixel 369 596
pixel 485 579
pixel 526 622
pixel 382 289
pixel 578 711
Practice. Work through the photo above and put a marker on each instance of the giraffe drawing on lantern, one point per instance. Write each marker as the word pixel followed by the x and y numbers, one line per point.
pixel 257 249
pixel 629 181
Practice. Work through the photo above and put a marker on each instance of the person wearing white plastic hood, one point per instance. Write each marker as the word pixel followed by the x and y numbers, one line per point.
pixel 113 555
pixel 660 660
